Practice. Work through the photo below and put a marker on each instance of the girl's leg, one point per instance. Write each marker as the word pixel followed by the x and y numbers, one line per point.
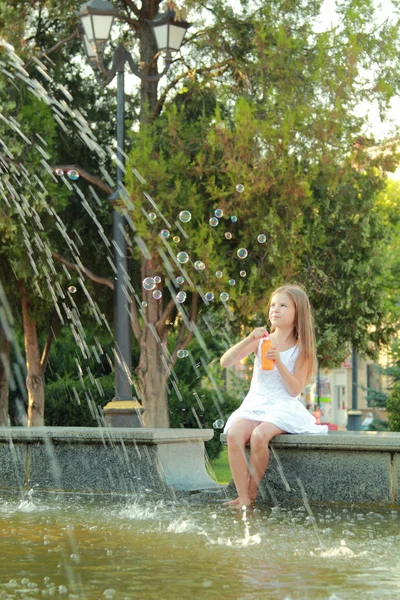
pixel 259 455
pixel 237 437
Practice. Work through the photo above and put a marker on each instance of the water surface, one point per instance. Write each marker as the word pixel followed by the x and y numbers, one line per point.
pixel 98 548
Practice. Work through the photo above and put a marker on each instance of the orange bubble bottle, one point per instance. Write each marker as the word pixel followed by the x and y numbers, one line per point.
pixel 267 364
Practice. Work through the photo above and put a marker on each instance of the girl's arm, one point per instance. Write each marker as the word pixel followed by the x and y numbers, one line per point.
pixel 243 348
pixel 293 382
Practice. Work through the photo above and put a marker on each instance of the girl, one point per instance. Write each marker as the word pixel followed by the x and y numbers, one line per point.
pixel 272 407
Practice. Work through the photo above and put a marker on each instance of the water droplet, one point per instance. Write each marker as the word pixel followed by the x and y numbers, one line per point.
pixel 213 221
pixel 59 172
pixel 228 235
pixel 149 283
pixel 72 289
pixel 176 239
pixel 157 294
pixel 72 174
pixel 242 273
pixel 182 257
pixel 185 216
pixel 218 274
pixel 179 280
pixel 219 213
pixel 199 265
pixel 240 188
pixel 181 297
pixel 218 424
pixel 164 233
pixel 152 216
pixel 242 253
pixel 262 238
pixel 234 219
pixel 157 279
pixel 232 282
pixel 182 353
pixel 209 296
pixel 224 296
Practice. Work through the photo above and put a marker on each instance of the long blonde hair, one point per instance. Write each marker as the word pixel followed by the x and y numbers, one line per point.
pixel 303 328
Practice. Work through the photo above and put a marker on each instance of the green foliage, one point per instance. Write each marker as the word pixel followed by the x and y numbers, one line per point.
pixel 198 402
pixel 378 425
pixel 268 103
pixel 74 402
pixel 393 408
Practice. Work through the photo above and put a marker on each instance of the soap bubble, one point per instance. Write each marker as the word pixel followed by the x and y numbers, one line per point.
pixel 199 265
pixel 152 216
pixel 59 172
pixel 242 253
pixel 228 235
pixel 182 353
pixel 224 296
pixel 144 304
pixel 157 294
pixel 179 280
pixel 157 279
pixel 176 239
pixel 72 174
pixel 185 216
pixel 72 289
pixel 232 282
pixel 182 257
pixel 164 233
pixel 240 188
pixel 234 219
pixel 242 273
pixel 181 297
pixel 262 238
pixel 209 296
pixel 218 213
pixel 213 221
pixel 149 283
pixel 218 424
pixel 218 274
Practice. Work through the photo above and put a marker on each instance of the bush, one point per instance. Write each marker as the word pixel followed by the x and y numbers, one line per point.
pixel 393 408
pixel 75 402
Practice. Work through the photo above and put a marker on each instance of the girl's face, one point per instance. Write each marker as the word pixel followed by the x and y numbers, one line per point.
pixel 283 311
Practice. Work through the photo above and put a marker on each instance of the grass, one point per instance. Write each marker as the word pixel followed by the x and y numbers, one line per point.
pixel 219 468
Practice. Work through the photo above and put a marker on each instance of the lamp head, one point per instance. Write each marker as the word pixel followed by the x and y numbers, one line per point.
pixel 96 17
pixel 168 31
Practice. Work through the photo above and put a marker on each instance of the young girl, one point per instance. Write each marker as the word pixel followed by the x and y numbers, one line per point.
pixel 272 407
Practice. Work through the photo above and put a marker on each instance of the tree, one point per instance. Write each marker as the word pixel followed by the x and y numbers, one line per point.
pixel 270 108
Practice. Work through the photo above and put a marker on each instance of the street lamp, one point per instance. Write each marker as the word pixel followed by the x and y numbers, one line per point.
pixel 96 17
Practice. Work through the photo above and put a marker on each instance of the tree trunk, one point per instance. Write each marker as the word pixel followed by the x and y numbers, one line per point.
pixel 153 382
pixel 148 50
pixel 35 377
pixel 4 378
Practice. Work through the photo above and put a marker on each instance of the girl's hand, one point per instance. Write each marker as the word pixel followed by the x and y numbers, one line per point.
pixel 257 333
pixel 274 355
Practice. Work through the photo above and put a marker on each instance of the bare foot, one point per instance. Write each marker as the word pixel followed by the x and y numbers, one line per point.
pixel 243 503
pixel 231 502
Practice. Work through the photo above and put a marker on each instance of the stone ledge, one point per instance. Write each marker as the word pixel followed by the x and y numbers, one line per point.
pixel 358 468
pixel 105 460
pixel 113 434
pixel 384 441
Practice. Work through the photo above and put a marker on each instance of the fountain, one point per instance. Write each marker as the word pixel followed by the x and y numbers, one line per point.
pixel 133 513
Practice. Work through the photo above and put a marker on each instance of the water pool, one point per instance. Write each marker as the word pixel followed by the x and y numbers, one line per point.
pixel 98 548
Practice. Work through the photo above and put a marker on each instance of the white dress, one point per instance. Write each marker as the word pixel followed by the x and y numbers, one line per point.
pixel 268 401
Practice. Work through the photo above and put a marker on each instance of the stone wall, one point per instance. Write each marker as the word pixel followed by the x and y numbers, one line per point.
pixel 360 468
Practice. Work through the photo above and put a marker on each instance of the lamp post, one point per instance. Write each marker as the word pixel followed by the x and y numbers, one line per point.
pixel 96 17
pixel 354 415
